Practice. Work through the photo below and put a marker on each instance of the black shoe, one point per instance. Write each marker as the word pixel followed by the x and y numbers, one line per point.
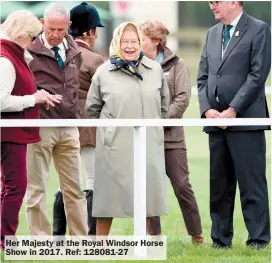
pixel 217 245
pixel 91 219
pixel 257 244
pixel 59 217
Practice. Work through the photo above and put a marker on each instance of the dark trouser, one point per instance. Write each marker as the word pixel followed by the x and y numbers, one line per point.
pixel 14 182
pixel 59 216
pixel 238 156
pixel 177 170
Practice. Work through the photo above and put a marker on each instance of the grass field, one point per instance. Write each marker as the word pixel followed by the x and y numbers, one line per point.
pixel 180 249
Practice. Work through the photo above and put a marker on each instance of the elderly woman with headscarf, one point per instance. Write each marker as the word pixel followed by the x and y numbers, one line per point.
pixel 128 86
pixel 19 100
pixel 178 79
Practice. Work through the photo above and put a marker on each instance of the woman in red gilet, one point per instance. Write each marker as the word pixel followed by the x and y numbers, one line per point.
pixel 19 100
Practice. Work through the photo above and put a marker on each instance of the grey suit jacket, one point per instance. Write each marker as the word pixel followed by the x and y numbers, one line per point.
pixel 238 79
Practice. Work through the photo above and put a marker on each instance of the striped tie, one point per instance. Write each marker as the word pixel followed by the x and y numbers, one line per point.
pixel 58 57
pixel 226 36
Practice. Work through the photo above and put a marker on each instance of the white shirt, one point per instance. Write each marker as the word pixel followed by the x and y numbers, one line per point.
pixel 8 102
pixel 61 46
pixel 234 24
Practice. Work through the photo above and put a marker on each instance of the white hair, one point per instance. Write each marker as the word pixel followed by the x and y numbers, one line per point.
pixel 56 10
pixel 21 22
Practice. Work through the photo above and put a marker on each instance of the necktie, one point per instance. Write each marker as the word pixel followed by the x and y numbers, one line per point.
pixel 58 57
pixel 226 36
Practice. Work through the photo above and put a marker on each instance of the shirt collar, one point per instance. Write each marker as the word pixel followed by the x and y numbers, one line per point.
pixel 236 20
pixel 27 56
pixel 81 41
pixel 47 45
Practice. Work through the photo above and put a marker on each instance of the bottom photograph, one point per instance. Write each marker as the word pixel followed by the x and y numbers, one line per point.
pixel 134 195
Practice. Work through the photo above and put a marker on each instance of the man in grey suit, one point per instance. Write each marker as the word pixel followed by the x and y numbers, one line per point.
pixel 234 66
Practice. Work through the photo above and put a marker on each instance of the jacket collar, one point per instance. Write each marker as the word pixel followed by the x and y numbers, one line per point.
pixel 39 48
pixel 83 44
pixel 148 63
pixel 169 60
pixel 61 46
pixel 240 29
pixel 168 56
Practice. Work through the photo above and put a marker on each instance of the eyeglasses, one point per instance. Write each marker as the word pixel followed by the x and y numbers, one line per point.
pixel 33 38
pixel 214 3
pixel 133 43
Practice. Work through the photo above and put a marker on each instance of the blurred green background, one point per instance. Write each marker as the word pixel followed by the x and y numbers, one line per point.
pixel 193 18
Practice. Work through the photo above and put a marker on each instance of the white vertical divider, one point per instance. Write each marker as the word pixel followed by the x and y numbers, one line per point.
pixel 140 190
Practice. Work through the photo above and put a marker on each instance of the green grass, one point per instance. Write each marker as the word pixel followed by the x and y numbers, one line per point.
pixel 179 248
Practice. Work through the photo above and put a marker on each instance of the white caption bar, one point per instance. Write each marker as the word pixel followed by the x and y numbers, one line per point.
pixel 84 248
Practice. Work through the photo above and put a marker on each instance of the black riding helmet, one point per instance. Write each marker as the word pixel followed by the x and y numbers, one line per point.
pixel 83 17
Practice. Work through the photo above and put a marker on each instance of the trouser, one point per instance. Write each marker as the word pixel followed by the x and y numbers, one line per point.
pixel 87 161
pixel 176 164
pixel 63 145
pixel 13 186
pixel 59 217
pixel 238 156
pixel 87 154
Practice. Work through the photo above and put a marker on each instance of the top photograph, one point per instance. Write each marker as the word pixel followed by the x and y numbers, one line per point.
pixel 118 60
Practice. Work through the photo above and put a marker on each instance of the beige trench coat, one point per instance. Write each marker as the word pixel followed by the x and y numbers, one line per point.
pixel 119 95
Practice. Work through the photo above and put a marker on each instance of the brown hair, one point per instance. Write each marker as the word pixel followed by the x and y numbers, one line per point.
pixel 156 30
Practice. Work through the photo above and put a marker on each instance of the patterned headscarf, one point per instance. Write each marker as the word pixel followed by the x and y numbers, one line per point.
pixel 115 51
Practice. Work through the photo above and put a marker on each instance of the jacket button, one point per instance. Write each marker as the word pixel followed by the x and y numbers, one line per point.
pixel 218 76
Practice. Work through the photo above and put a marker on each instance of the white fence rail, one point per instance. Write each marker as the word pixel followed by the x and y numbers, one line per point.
pixel 134 122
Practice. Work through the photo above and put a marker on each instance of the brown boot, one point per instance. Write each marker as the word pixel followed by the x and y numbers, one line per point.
pixel 197 240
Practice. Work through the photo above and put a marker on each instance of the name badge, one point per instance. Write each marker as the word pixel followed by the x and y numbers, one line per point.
pixel 73 63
